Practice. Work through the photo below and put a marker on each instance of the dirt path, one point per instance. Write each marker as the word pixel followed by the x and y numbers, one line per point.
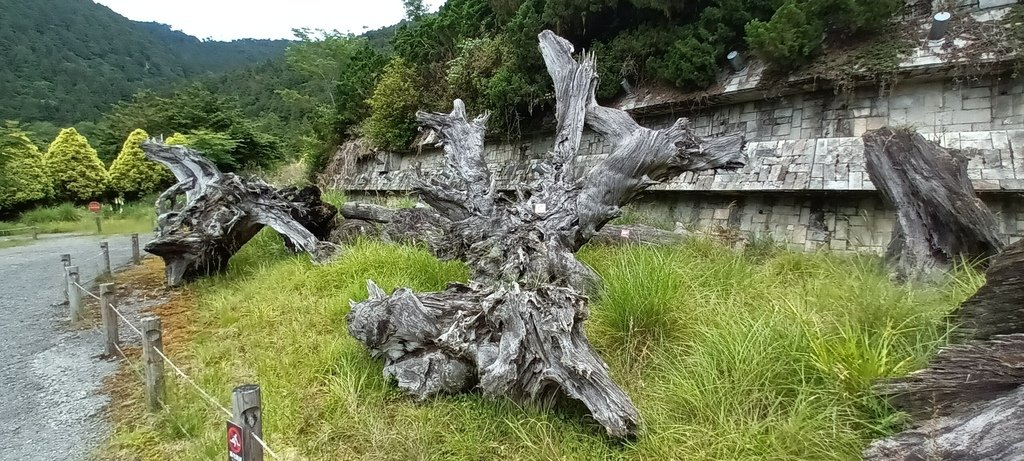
pixel 50 407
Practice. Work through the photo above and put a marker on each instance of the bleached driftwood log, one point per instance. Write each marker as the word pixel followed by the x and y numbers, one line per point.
pixel 939 217
pixel 516 330
pixel 222 212
pixel 969 401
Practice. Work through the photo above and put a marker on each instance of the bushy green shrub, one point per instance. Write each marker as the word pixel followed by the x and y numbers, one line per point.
pixel 689 63
pixel 132 174
pixel 797 30
pixel 470 73
pixel 393 104
pixel 23 177
pixel 790 38
pixel 76 170
pixel 628 54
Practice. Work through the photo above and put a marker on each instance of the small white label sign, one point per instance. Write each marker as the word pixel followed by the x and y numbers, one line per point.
pixel 540 208
pixel 625 233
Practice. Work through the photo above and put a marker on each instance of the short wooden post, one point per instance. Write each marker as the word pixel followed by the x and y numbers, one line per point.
pixel 104 248
pixel 152 341
pixel 136 255
pixel 65 260
pixel 110 336
pixel 248 413
pixel 74 293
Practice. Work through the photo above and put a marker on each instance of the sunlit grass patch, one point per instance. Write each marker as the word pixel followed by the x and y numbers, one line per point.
pixel 131 218
pixel 728 355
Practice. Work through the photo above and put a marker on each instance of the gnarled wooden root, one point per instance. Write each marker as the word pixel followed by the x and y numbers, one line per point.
pixel 517 329
pixel 311 212
pixel 527 345
pixel 222 212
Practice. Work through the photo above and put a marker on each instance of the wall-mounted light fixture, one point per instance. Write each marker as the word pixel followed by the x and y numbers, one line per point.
pixel 940 25
pixel 736 60
pixel 626 86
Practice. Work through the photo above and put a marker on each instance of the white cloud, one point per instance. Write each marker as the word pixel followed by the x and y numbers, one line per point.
pixel 233 19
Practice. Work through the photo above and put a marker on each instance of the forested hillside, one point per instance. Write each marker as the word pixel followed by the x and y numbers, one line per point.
pixel 68 61
pixel 255 103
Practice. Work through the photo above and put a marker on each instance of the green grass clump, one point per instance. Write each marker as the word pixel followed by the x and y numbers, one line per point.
pixel 334 197
pixel 62 213
pixel 764 355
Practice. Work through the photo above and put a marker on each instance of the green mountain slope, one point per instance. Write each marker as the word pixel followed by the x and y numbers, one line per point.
pixel 66 61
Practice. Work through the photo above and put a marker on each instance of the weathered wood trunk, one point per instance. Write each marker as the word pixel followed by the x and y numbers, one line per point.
pixel 940 220
pixel 516 330
pixel 426 226
pixel 312 212
pixel 222 212
pixel 970 399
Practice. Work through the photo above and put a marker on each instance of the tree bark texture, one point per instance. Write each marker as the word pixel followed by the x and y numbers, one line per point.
pixel 426 226
pixel 940 219
pixel 970 399
pixel 222 212
pixel 516 330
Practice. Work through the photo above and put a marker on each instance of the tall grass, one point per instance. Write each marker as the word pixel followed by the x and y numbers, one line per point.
pixel 727 356
pixel 334 197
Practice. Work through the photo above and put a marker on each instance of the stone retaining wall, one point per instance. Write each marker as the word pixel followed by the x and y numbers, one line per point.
pixel 805 183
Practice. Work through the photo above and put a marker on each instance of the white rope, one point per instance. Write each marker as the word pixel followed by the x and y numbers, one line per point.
pixel 116 310
pixel 142 378
pixel 208 398
pixel 86 291
pixel 129 362
pixel 211 400
pixel 90 259
pixel 264 445
pixel 17 229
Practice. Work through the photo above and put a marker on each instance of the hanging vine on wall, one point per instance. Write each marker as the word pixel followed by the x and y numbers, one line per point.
pixel 982 46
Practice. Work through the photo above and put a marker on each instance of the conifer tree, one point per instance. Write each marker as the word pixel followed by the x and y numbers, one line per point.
pixel 23 178
pixel 76 169
pixel 176 139
pixel 132 174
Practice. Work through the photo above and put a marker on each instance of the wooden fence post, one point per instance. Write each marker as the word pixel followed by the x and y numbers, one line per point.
pixel 110 335
pixel 152 341
pixel 136 256
pixel 105 250
pixel 74 293
pixel 65 260
pixel 248 413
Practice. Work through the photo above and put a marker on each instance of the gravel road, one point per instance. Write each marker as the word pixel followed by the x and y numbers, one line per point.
pixel 50 375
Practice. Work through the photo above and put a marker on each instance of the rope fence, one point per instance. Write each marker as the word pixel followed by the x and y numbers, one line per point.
pixel 11 230
pixel 246 413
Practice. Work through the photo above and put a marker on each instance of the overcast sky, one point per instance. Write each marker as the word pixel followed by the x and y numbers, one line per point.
pixel 233 19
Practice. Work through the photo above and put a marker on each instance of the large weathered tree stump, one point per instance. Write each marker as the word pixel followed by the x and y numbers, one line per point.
pixel 426 226
pixel 516 330
pixel 222 212
pixel 940 220
pixel 969 402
